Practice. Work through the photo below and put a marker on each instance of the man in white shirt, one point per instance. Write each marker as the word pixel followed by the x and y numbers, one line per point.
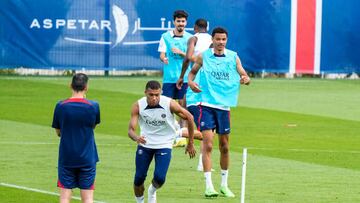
pixel 154 114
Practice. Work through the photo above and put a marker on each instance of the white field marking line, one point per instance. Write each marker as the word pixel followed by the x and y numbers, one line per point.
pixel 307 150
pixel 259 148
pixel 39 191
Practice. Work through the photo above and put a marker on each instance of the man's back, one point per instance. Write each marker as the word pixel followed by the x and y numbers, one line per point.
pixel 203 42
pixel 76 119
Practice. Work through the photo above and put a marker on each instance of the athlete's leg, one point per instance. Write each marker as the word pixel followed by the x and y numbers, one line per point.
pixel 224 151
pixel 162 162
pixel 87 196
pixel 197 134
pixel 65 195
pixel 142 161
pixel 208 136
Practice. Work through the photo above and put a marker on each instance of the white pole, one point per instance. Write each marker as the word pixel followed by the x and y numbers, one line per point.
pixel 243 176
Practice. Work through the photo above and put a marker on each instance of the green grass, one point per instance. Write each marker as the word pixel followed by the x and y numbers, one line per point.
pixel 303 138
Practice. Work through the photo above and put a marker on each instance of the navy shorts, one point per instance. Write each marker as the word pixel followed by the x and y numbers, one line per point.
pixel 83 178
pixel 212 118
pixel 170 90
pixel 143 159
pixel 195 112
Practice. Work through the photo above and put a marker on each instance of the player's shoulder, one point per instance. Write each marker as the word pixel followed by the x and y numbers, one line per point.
pixel 187 34
pixel 166 34
pixel 141 103
pixel 208 51
pixel 92 102
pixel 230 52
pixel 165 98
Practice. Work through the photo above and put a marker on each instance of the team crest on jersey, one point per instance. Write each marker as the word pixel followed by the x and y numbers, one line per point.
pixel 163 115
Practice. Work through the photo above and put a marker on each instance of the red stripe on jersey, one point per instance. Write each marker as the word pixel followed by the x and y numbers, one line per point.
pixel 77 100
pixel 199 119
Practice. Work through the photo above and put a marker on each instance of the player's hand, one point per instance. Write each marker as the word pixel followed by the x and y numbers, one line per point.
pixel 245 80
pixel 140 140
pixel 165 60
pixel 194 86
pixel 179 83
pixel 176 51
pixel 190 149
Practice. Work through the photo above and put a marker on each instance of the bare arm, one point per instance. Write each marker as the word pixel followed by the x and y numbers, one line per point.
pixel 178 51
pixel 245 79
pixel 163 58
pixel 133 123
pixel 195 68
pixel 189 57
pixel 184 114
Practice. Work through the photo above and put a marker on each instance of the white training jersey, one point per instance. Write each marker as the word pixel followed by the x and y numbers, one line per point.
pixel 157 124
pixel 204 40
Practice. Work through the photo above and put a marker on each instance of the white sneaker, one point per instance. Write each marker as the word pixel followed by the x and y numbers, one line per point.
pixel 152 198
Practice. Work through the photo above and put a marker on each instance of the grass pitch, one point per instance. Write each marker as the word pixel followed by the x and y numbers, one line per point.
pixel 302 135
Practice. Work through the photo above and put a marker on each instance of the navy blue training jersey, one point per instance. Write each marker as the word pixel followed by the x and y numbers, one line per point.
pixel 76 118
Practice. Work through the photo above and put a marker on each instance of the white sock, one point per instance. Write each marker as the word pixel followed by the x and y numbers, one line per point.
pixel 152 190
pixel 151 194
pixel 208 180
pixel 224 178
pixel 139 199
pixel 200 160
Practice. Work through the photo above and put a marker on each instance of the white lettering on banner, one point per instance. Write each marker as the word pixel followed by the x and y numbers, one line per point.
pixel 120 27
pixel 59 22
pixel 35 23
pixel 71 24
pixel 47 24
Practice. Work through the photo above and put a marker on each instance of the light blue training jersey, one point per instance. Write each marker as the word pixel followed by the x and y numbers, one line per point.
pixel 172 71
pixel 194 98
pixel 204 40
pixel 220 80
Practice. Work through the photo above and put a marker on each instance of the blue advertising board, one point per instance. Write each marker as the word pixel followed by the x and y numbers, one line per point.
pixel 124 35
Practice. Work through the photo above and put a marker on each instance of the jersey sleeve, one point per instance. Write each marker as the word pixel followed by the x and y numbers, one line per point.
pixel 56 120
pixel 162 45
pixel 97 114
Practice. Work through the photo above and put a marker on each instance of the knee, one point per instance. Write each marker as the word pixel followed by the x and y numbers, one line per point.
pixel 158 181
pixel 224 148
pixel 139 180
pixel 207 146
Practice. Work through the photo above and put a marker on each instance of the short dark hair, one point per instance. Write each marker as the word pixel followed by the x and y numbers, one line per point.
pixel 79 82
pixel 219 30
pixel 201 23
pixel 180 14
pixel 153 84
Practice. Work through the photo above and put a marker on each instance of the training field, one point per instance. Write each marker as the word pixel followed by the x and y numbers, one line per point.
pixel 302 135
